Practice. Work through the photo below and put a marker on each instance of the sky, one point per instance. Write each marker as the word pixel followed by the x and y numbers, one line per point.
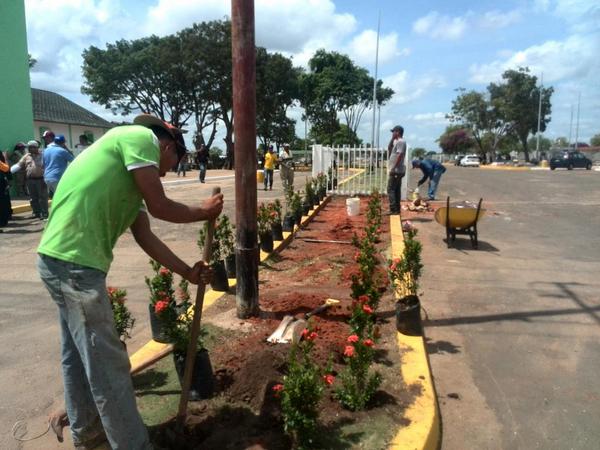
pixel 427 49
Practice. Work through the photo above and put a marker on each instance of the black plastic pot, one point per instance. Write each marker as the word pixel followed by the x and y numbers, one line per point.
pixel 288 222
pixel 203 380
pixel 408 316
pixel 298 217
pixel 230 266
pixel 277 231
pixel 316 200
pixel 266 242
pixel 305 209
pixel 156 326
pixel 219 280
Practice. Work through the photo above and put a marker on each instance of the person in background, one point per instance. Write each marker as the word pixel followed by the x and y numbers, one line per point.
pixel 5 208
pixel 202 160
pixel 396 168
pixel 270 161
pixel 56 159
pixel 18 180
pixel 61 142
pixel 181 165
pixel 33 164
pixel 286 167
pixel 48 137
pixel 115 187
pixel 83 144
pixel 432 171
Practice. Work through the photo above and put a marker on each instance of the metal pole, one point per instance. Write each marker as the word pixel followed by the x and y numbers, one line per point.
pixel 244 111
pixel 375 82
pixel 537 145
pixel 577 126
pixel 570 128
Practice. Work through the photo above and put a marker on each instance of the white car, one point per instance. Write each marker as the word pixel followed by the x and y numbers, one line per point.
pixel 470 161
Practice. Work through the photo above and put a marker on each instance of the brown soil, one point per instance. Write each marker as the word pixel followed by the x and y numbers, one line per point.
pixel 244 413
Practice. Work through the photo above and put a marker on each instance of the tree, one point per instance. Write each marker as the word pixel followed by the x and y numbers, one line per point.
pixel 545 143
pixel 456 140
pixel 517 101
pixel 561 142
pixel 476 112
pixel 418 152
pixel 334 84
pixel 138 75
pixel 595 140
pixel 277 88
pixel 343 136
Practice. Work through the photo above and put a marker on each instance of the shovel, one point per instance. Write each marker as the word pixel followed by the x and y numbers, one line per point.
pixel 195 331
pixel 290 328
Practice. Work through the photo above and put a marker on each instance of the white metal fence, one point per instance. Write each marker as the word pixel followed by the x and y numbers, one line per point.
pixel 351 170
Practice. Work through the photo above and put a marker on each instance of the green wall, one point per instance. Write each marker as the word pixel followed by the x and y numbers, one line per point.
pixel 16 115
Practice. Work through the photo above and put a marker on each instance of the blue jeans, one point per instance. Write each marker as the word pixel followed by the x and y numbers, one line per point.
pixel 433 183
pixel 202 167
pixel 98 389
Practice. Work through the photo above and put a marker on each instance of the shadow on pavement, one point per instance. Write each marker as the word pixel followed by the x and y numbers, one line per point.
pixel 440 347
pixel 465 244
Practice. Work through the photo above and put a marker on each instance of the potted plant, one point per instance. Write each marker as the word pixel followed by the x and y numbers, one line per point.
pixel 315 189
pixel 219 281
pixel 123 320
pixel 162 296
pixel 276 227
pixel 322 183
pixel 289 219
pixel 264 221
pixel 405 273
pixel 308 200
pixel 225 237
pixel 177 324
pixel 297 207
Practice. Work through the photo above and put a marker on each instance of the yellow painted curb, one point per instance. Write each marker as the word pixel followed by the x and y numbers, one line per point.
pixel 154 351
pixel 19 209
pixel 504 168
pixel 424 431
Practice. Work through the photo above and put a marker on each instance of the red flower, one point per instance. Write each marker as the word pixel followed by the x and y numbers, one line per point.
pixel 161 306
pixel 349 351
pixel 308 335
pixel 305 333
pixel 111 290
pixel 329 379
pixel 356 256
pixel 164 272
pixel 363 298
pixel 368 342
pixel 313 335
pixel 352 338
pixel 277 389
pixel 367 309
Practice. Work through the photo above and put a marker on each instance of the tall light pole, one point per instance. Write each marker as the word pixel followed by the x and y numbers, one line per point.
pixel 577 126
pixel 570 128
pixel 537 145
pixel 375 82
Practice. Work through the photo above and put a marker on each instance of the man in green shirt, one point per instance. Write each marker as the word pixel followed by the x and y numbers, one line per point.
pixel 102 194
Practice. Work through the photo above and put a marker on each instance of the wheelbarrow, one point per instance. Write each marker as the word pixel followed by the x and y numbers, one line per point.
pixel 460 218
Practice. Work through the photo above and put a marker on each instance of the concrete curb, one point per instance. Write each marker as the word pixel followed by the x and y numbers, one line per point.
pixel 504 168
pixel 153 351
pixel 424 431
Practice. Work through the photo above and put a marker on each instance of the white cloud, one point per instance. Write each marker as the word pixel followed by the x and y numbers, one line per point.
pixel 430 118
pixel 575 57
pixel 444 27
pixel 407 89
pixel 362 47
pixel 440 27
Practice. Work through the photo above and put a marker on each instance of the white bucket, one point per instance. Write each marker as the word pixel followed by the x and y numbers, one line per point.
pixel 353 206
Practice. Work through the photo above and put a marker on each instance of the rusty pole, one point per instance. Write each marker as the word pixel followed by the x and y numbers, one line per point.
pixel 244 113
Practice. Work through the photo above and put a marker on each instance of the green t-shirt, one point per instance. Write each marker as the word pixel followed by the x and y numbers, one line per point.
pixel 97 198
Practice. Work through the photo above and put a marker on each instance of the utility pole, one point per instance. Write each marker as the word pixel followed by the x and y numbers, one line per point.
pixel 537 145
pixel 375 83
pixel 577 126
pixel 244 111
pixel 570 128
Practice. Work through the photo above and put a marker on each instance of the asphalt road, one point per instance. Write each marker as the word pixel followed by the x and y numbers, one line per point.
pixel 513 328
pixel 30 377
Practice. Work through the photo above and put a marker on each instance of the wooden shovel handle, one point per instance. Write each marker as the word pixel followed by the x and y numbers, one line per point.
pixel 190 357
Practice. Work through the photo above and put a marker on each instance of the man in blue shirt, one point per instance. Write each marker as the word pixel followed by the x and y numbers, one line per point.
pixel 433 171
pixel 56 158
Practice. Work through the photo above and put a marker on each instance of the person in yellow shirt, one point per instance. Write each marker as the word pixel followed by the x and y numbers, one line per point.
pixel 270 161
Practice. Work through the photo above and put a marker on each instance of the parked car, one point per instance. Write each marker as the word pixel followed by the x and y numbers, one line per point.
pixel 457 159
pixel 570 160
pixel 470 161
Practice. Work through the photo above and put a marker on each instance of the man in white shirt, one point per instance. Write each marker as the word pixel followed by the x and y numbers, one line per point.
pixel 396 168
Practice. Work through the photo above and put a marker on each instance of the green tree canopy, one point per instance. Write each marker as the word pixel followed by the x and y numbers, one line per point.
pixel 418 152
pixel 517 101
pixel 456 139
pixel 595 140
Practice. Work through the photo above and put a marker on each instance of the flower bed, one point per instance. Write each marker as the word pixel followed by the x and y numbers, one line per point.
pixel 246 411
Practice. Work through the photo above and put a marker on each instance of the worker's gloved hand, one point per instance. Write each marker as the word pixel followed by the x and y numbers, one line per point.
pixel 200 273
pixel 213 206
